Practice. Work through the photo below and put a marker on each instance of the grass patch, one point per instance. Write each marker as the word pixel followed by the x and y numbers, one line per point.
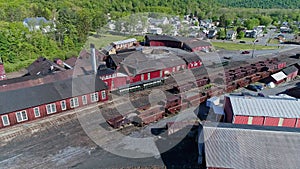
pixel 246 39
pixel 103 40
pixel 235 46
pixel 273 41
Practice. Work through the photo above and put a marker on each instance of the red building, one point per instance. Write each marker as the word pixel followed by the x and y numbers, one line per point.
pixel 291 72
pixel 26 104
pixel 187 44
pixel 278 77
pixel 262 111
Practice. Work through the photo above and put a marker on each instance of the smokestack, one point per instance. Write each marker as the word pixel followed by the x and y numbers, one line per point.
pixel 93 58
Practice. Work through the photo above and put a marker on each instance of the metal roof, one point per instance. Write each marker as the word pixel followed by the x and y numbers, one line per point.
pixel 278 76
pixel 24 98
pixel 260 106
pixel 289 70
pixel 251 147
pixel 150 59
pixel 124 41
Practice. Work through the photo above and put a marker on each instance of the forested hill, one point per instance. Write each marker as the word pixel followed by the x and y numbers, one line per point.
pixel 264 4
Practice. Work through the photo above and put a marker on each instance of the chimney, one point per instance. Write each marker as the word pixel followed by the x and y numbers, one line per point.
pixel 93 58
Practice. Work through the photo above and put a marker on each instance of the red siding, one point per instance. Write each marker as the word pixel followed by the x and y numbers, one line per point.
pixel 108 83
pixel 228 110
pixel 155 74
pixel 166 43
pixel 271 121
pixel 240 119
pixel 119 82
pixel 289 122
pixel 135 79
pixel 258 120
pixel 298 123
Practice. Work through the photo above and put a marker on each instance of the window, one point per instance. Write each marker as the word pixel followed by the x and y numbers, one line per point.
pixel 63 105
pixel 142 77
pixel 173 69
pixel 148 76
pixel 74 102
pixel 84 100
pixel 21 116
pixel 182 66
pixel 161 73
pixel 178 68
pixel 51 108
pixel 5 120
pixel 36 112
pixel 94 97
pixel 103 94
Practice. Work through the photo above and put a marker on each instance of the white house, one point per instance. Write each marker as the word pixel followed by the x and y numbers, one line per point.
pixel 38 23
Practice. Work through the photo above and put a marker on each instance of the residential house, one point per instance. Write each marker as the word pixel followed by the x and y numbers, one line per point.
pixel 38 23
pixel 212 33
pixel 231 35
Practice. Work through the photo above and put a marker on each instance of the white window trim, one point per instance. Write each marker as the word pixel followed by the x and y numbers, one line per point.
pixel 142 77
pixel 22 119
pixel 51 110
pixel 65 103
pixel 38 109
pixel 149 76
pixel 94 98
pixel 8 122
pixel 103 93
pixel 76 103
pixel 84 101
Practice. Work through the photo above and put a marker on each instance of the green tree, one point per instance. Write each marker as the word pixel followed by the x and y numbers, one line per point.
pixel 240 35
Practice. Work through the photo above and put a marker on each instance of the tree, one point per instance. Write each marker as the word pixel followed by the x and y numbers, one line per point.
pixel 222 34
pixel 265 20
pixel 240 35
pixel 251 23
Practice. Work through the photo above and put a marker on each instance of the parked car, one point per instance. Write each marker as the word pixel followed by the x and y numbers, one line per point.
pixel 255 88
pixel 245 52
pixel 252 87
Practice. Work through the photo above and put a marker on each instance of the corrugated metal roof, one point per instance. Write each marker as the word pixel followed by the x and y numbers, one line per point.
pixel 124 41
pixel 259 106
pixel 250 148
pixel 278 76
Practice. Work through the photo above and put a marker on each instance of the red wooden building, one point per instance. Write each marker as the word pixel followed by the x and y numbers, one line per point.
pixel 262 111
pixel 187 44
pixel 26 104
pixel 291 72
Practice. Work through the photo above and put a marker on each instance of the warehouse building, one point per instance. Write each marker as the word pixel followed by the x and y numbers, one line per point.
pixel 262 111
pixel 229 146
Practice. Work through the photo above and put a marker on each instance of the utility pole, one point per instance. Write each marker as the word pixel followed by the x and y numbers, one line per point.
pixel 254 46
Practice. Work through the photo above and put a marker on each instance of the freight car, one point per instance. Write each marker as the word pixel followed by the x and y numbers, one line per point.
pixel 150 115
